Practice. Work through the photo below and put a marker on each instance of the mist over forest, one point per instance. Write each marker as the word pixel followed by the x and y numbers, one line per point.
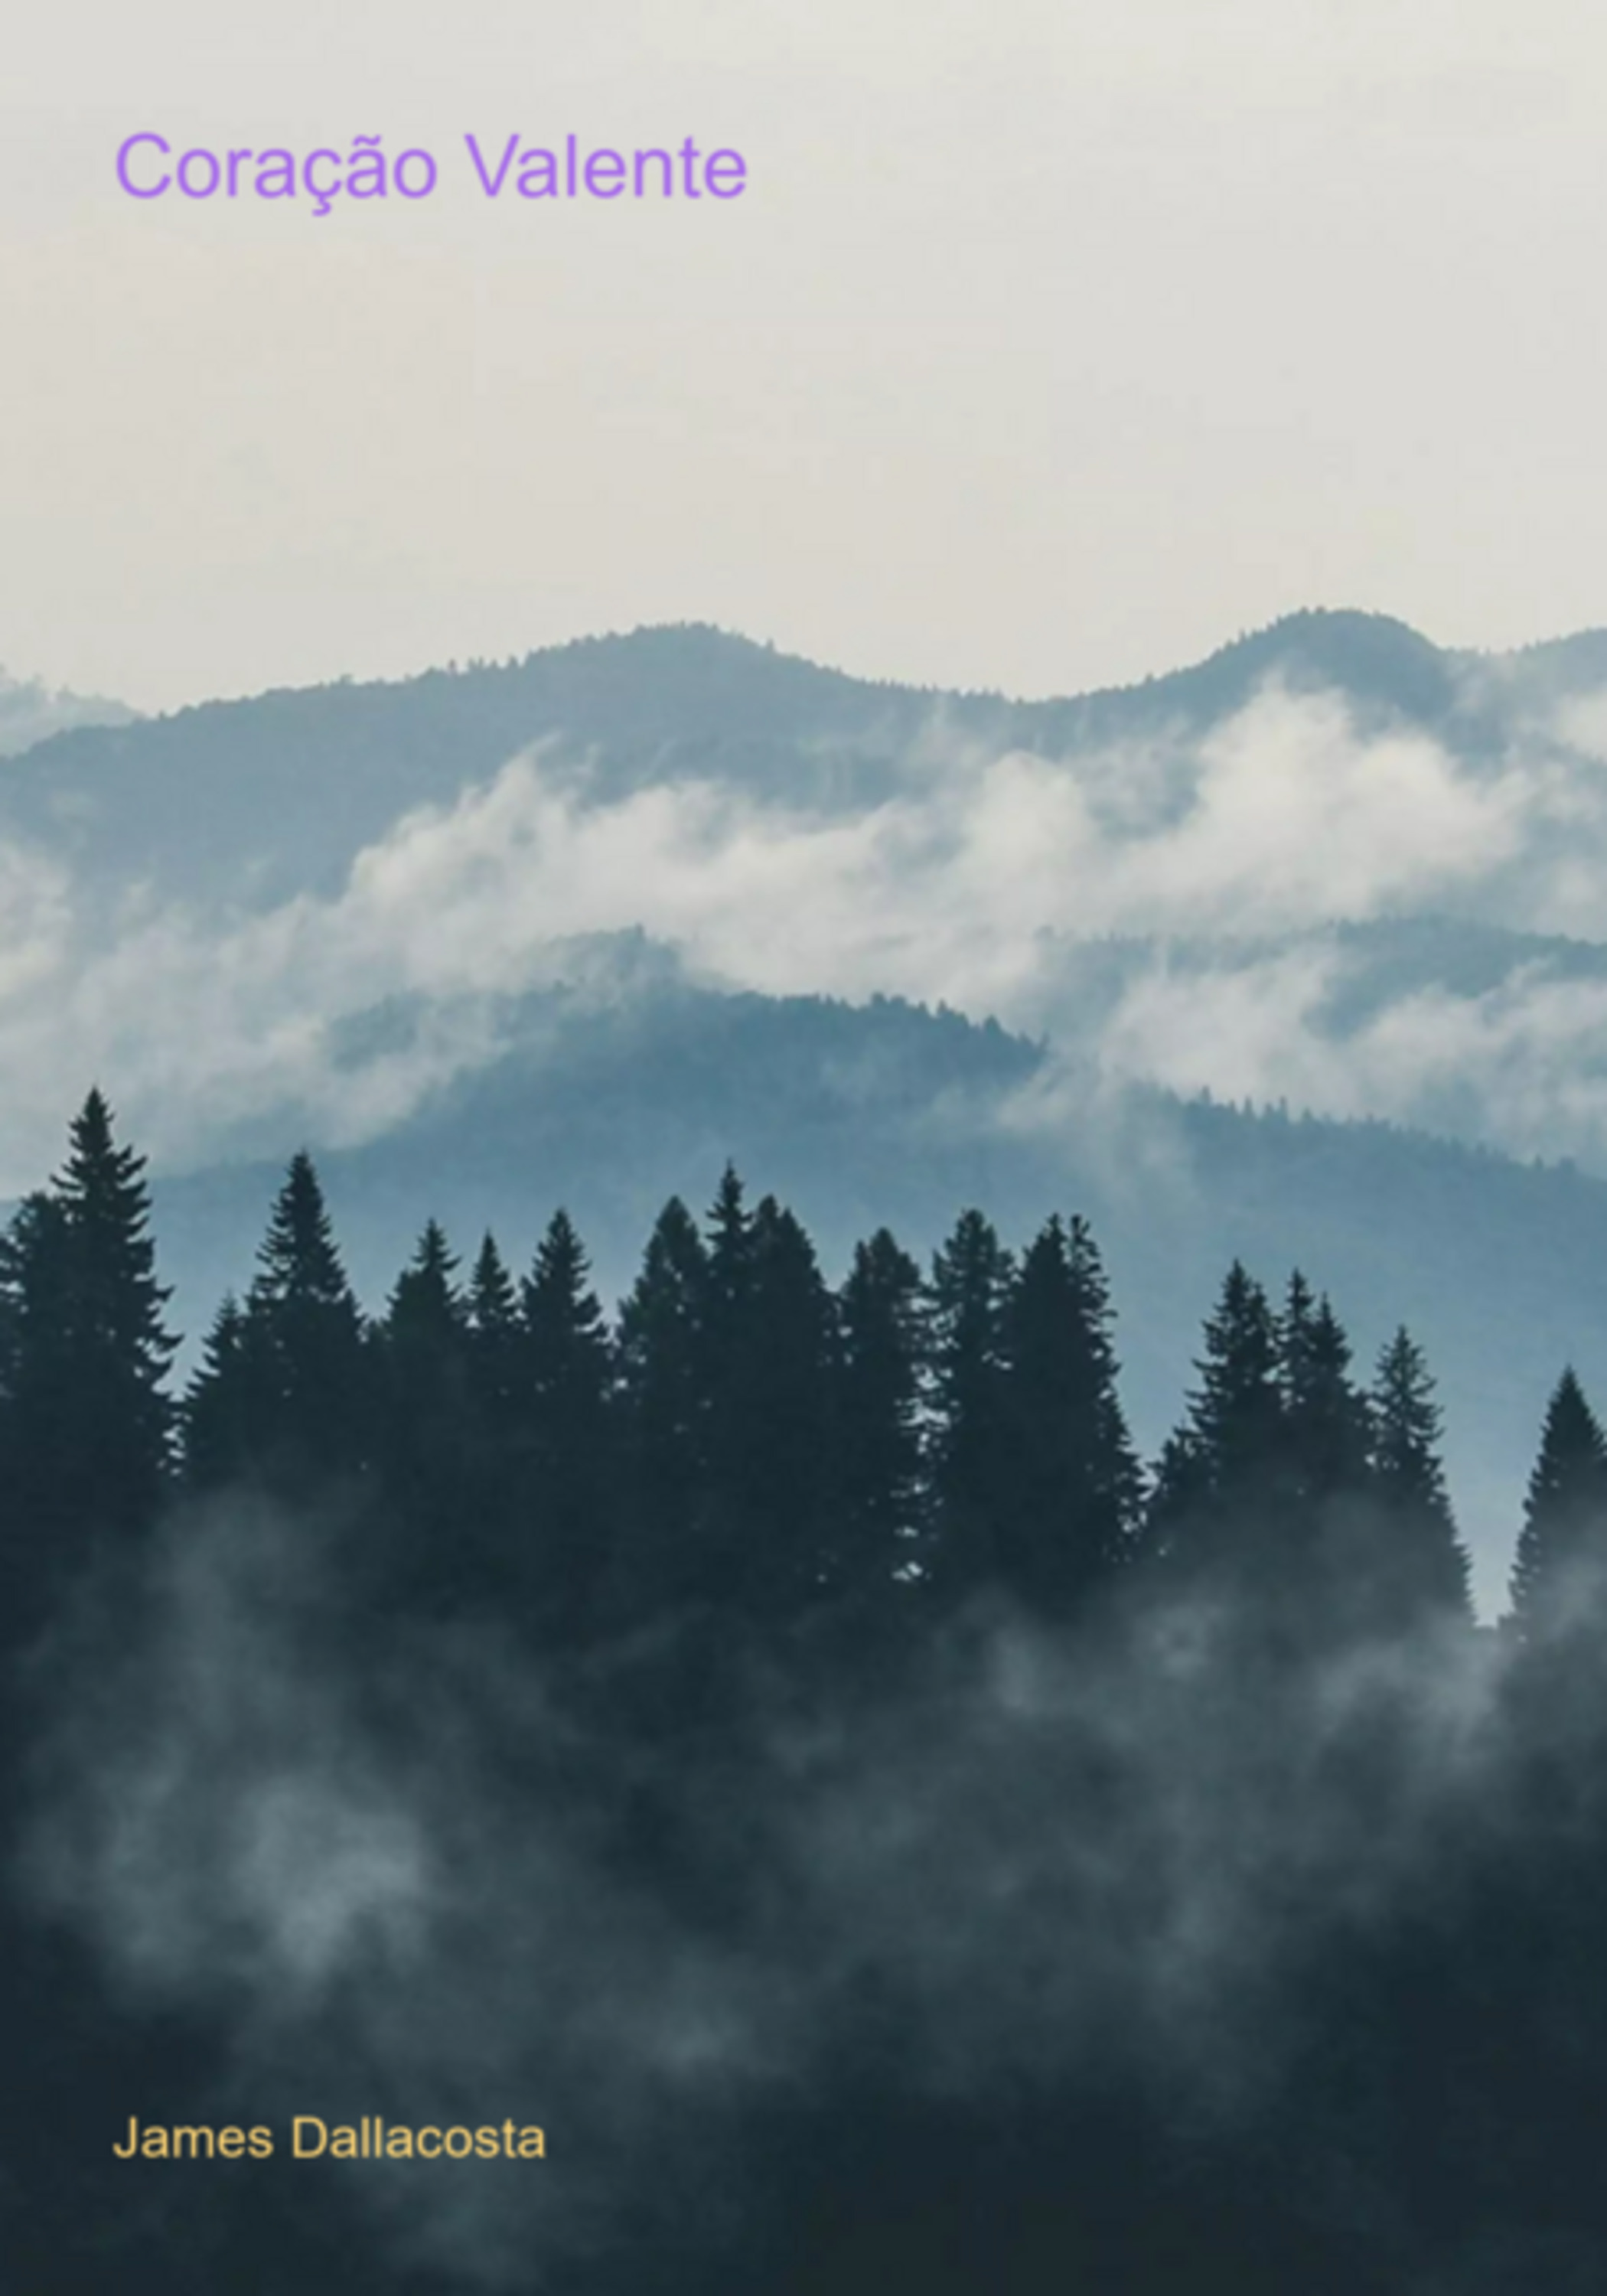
pixel 841 1437
pixel 1332 878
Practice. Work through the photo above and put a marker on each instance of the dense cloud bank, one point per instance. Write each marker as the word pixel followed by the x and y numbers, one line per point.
pixel 1220 853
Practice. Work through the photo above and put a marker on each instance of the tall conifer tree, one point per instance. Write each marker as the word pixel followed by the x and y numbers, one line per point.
pixel 1419 1571
pixel 229 1400
pixel 569 1491
pixel 663 1364
pixel 966 1294
pixel 1216 1505
pixel 1327 1425
pixel 90 1420
pixel 423 1430
pixel 493 1530
pixel 294 1382
pixel 1561 1565
pixel 772 1527
pixel 1328 1553
pixel 495 1343
pixel 1071 1480
pixel 728 1283
pixel 882 1331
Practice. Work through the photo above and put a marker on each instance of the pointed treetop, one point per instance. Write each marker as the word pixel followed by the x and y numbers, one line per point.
pixel 493 1301
pixel 971 1265
pixel 1562 1554
pixel 1237 1405
pixel 730 1247
pixel 227 1325
pixel 1425 1565
pixel 728 1215
pixel 1406 1424
pixel 298 1260
pixel 562 1312
pixel 90 1131
pixel 670 1293
pixel 101 1191
pixel 99 1180
pixel 425 1297
pixel 1296 1333
pixel 560 1268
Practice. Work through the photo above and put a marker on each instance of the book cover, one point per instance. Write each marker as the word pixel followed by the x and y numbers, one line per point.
pixel 803 1150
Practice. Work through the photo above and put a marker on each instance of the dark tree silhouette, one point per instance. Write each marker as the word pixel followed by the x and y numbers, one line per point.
pixel 495 1350
pixel 1328 1431
pixel 664 1395
pixel 292 1386
pixel 773 1487
pixel 1070 1501
pixel 1217 1501
pixel 1416 1567
pixel 880 1505
pixel 89 1423
pixel 424 1430
pixel 735 1544
pixel 1560 1564
pixel 568 1484
pixel 966 1295
pixel 1331 1526
pixel 228 1399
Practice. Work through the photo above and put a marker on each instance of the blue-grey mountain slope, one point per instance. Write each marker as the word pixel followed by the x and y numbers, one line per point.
pixel 268 797
pixel 560 930
pixel 888 1113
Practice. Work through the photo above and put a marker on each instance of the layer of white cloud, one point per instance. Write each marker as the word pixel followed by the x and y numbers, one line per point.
pixel 965 886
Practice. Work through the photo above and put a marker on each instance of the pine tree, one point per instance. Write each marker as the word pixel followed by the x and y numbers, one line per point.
pixel 663 1364
pixel 771 1529
pixel 90 1420
pixel 567 1346
pixel 1327 1425
pixel 299 1264
pixel 42 1534
pixel 1238 1411
pixel 1069 1502
pixel 1561 1566
pixel 1419 1571
pixel 496 1345
pixel 227 1400
pixel 296 1384
pixel 881 1341
pixel 492 1531
pixel 1327 1555
pixel 36 1288
pixel 425 1309
pixel 1220 1480
pixel 423 1428
pixel 568 1413
pixel 124 1349
pixel 965 1300
pixel 729 1283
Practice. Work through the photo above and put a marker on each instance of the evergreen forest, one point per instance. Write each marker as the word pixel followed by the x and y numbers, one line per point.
pixel 897 1834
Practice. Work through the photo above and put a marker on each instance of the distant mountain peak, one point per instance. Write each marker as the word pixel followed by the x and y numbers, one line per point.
pixel 1376 661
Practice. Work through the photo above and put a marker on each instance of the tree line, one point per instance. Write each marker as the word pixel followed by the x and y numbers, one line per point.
pixel 760 1498
pixel 743 1439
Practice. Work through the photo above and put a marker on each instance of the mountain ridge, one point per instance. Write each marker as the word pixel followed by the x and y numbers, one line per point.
pixel 262 798
pixel 894 1114
pixel 1330 642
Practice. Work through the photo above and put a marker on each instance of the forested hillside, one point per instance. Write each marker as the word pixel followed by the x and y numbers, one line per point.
pixel 843 1439
pixel 890 1115
pixel 794 1718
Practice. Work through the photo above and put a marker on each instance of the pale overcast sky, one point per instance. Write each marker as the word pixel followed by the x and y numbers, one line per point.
pixel 1053 342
